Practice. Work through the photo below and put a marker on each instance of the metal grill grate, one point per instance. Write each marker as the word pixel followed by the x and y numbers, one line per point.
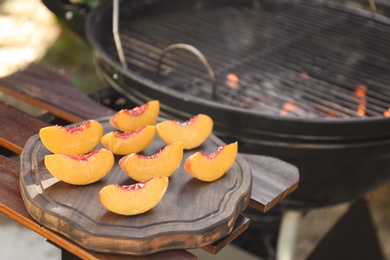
pixel 301 60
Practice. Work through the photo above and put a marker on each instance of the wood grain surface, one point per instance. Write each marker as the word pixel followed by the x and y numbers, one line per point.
pixel 192 213
pixel 11 204
pixel 52 90
pixel 280 178
pixel 17 127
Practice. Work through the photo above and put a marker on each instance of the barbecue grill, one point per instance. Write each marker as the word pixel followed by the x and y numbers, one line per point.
pixel 303 81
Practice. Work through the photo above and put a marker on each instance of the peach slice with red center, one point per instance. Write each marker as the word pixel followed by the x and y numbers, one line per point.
pixel 72 140
pixel 130 119
pixel 134 199
pixel 211 167
pixel 129 142
pixel 191 133
pixel 80 169
pixel 163 163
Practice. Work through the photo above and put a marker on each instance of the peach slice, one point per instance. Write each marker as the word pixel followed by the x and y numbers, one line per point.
pixel 129 142
pixel 163 163
pixel 131 119
pixel 72 140
pixel 134 199
pixel 211 167
pixel 80 169
pixel 191 133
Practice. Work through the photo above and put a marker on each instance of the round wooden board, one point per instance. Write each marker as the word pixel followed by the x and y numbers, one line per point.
pixel 192 213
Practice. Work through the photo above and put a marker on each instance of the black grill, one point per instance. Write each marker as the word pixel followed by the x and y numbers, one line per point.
pixel 300 60
pixel 312 83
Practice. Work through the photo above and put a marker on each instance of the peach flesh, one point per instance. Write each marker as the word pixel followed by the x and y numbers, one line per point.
pixel 163 163
pixel 82 157
pixel 72 140
pixel 192 133
pixel 80 169
pixel 76 129
pixel 129 142
pixel 134 199
pixel 212 166
pixel 131 119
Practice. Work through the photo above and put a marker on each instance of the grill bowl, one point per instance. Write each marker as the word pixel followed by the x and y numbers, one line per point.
pixel 340 157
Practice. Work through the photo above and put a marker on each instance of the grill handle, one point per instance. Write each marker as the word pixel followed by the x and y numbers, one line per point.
pixel 190 48
pixel 198 54
pixel 115 32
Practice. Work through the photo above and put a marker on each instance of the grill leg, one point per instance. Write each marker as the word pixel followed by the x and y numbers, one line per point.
pixel 288 234
pixel 352 237
pixel 65 255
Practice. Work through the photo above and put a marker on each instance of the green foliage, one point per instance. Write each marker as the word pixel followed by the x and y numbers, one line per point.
pixel 72 54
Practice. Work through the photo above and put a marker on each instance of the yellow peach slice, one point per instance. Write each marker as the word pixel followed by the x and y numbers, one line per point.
pixel 129 142
pixel 163 163
pixel 211 167
pixel 72 140
pixel 131 119
pixel 80 169
pixel 134 199
pixel 191 133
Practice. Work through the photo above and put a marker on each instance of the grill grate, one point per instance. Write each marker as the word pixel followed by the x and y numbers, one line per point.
pixel 300 61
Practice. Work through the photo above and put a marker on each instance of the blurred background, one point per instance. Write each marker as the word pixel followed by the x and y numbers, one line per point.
pixel 29 33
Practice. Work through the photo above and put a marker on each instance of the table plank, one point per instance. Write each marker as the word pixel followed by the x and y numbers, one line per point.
pixel 280 178
pixel 11 204
pixel 16 128
pixel 51 90
pixel 242 223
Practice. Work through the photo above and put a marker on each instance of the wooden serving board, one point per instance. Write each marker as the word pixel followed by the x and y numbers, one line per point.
pixel 192 213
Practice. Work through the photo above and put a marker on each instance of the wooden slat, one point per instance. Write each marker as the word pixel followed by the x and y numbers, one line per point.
pixel 16 128
pixel 51 90
pixel 242 224
pixel 11 204
pixel 280 178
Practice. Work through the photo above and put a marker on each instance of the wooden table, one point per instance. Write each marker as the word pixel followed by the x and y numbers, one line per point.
pixel 51 90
